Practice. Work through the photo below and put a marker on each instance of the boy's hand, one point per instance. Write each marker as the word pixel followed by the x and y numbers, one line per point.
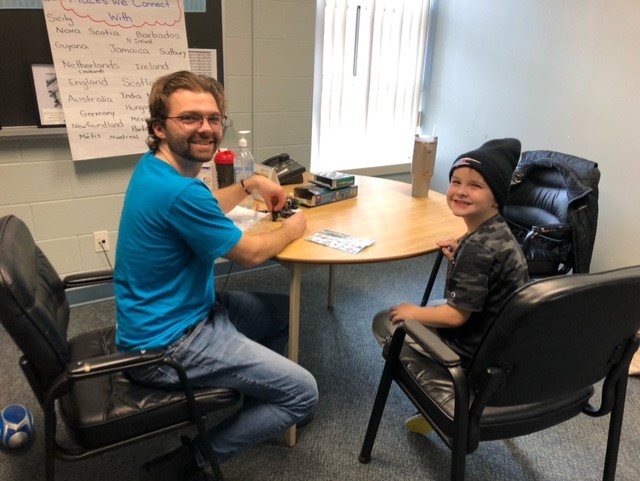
pixel 403 312
pixel 448 247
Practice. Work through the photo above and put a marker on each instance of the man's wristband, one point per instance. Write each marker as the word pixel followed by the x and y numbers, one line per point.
pixel 244 187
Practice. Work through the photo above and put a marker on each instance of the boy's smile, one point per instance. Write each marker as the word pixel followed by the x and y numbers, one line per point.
pixel 470 197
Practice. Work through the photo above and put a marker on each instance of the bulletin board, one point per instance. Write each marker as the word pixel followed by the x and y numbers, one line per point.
pixel 24 41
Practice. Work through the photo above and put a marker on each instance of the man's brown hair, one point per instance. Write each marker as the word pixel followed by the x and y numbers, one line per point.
pixel 164 86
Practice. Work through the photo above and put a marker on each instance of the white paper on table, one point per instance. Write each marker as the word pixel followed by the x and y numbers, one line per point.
pixel 245 218
pixel 337 240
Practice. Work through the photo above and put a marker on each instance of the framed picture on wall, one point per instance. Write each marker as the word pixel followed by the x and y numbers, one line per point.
pixel 48 99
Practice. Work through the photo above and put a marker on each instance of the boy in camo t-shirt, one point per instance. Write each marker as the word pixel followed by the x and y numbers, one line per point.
pixel 485 266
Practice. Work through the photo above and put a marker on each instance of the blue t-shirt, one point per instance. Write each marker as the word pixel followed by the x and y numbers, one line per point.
pixel 171 232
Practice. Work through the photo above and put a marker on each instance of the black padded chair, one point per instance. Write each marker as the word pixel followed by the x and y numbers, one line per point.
pixel 85 377
pixel 536 366
pixel 552 209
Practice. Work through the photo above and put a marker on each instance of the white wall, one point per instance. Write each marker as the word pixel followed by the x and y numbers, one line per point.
pixel 268 54
pixel 558 75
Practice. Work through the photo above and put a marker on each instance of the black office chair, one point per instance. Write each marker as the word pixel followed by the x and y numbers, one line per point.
pixel 552 209
pixel 536 366
pixel 85 377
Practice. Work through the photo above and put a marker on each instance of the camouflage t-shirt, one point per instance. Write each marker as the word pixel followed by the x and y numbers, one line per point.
pixel 487 267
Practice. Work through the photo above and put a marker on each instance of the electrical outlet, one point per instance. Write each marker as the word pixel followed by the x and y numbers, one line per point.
pixel 101 241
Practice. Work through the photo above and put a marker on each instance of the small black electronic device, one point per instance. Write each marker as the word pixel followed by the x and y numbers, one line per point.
pixel 287 169
pixel 290 208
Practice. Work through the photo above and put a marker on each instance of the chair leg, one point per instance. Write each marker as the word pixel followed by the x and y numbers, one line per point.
pixel 49 441
pixel 376 414
pixel 197 418
pixel 397 342
pixel 460 445
pixel 615 430
pixel 211 457
pixel 458 460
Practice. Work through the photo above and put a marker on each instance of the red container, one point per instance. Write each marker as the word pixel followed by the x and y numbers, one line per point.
pixel 224 166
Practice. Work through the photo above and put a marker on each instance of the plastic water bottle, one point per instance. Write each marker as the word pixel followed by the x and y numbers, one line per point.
pixel 243 166
pixel 243 163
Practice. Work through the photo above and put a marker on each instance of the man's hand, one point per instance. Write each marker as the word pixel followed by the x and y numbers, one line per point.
pixel 272 193
pixel 254 249
pixel 296 224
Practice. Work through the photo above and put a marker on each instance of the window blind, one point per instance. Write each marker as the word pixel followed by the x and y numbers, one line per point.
pixel 371 76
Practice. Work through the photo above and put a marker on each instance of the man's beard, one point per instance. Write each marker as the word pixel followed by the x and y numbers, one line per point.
pixel 180 146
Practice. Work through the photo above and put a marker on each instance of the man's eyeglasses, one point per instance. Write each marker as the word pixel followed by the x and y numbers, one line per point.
pixel 193 121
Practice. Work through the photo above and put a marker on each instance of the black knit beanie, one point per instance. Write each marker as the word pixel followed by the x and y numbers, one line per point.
pixel 495 160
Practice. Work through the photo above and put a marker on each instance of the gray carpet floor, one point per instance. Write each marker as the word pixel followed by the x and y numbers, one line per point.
pixel 338 348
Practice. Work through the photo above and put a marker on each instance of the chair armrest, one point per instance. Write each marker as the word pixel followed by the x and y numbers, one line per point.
pixel 431 343
pixel 615 382
pixel 544 230
pixel 88 278
pixel 551 228
pixel 101 365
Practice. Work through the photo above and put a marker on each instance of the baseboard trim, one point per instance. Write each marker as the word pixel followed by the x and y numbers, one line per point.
pixel 90 294
pixel 102 292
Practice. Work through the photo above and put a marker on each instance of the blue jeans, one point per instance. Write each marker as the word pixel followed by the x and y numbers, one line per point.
pixel 240 346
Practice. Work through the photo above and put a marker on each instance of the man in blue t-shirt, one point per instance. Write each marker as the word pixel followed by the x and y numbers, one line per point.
pixel 172 230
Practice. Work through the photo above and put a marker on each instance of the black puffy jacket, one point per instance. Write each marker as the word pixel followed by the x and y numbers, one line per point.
pixel 567 182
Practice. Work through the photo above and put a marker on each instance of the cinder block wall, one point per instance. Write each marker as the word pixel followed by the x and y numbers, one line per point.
pixel 268 53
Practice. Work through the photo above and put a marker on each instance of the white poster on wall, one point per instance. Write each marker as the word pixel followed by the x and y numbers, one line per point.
pixel 107 54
